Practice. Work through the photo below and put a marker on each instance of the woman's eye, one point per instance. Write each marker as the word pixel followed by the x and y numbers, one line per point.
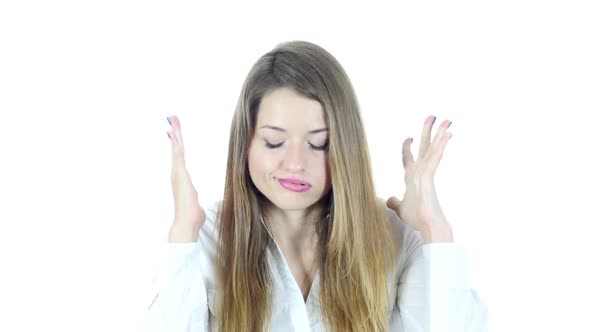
pixel 272 146
pixel 269 145
pixel 320 148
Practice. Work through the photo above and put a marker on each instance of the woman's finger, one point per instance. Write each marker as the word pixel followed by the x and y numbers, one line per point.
pixel 437 154
pixel 177 149
pixel 177 153
pixel 407 156
pixel 426 135
pixel 175 124
pixel 395 204
pixel 442 129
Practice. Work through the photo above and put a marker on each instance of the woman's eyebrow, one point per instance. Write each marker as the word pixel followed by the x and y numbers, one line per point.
pixel 315 131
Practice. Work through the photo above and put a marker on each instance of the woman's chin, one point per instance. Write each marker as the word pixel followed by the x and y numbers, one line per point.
pixel 295 202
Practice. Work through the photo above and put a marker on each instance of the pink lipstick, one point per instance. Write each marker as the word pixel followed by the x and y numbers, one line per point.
pixel 295 185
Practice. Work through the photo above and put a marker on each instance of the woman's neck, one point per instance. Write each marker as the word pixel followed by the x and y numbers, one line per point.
pixel 294 230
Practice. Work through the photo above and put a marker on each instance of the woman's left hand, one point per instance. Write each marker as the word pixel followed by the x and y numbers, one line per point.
pixel 420 207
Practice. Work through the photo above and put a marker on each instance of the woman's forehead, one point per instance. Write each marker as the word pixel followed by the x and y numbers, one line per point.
pixel 286 109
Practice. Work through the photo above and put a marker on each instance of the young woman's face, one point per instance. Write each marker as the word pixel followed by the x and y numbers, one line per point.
pixel 288 156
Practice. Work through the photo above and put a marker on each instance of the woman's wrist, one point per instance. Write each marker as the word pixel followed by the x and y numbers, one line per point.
pixel 437 233
pixel 183 232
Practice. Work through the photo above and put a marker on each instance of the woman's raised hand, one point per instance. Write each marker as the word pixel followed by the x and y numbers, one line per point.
pixel 420 206
pixel 189 216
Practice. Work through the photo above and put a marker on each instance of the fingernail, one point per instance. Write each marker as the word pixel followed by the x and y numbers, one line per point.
pixel 168 118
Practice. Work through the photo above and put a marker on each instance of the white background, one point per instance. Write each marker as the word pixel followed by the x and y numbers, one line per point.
pixel 85 88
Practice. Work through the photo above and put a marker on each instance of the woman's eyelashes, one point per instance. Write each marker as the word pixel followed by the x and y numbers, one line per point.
pixel 313 147
pixel 272 146
pixel 320 148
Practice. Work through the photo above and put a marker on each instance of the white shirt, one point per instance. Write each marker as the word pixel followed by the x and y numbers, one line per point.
pixel 431 292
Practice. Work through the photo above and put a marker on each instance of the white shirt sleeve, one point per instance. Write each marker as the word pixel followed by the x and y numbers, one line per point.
pixel 180 302
pixel 434 294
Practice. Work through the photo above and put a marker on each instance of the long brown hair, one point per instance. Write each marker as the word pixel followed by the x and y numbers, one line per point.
pixel 356 244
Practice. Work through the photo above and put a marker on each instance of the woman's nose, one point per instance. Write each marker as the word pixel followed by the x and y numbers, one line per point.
pixel 294 160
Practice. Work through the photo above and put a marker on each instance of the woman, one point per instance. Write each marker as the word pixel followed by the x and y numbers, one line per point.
pixel 300 241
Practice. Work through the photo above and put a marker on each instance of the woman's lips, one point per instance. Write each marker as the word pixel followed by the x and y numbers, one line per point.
pixel 295 185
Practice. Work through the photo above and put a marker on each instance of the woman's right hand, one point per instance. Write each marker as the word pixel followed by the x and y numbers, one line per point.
pixel 189 216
